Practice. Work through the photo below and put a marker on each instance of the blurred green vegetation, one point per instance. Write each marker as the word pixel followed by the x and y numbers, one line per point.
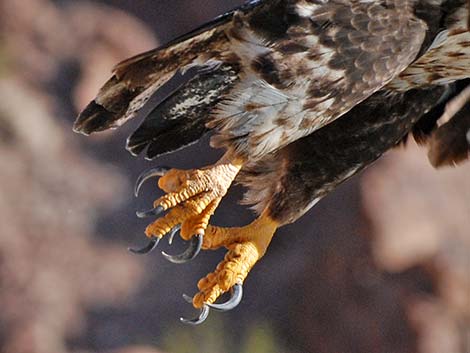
pixel 213 337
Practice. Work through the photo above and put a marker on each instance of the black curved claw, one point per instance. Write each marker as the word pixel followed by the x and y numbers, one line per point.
pixel 232 303
pixel 203 314
pixel 173 232
pixel 150 213
pixel 145 250
pixel 187 299
pixel 189 254
pixel 142 178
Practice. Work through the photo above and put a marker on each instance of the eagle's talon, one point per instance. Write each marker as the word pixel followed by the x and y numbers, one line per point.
pixel 172 234
pixel 232 303
pixel 191 198
pixel 195 245
pixel 143 177
pixel 203 314
pixel 150 213
pixel 146 249
pixel 246 246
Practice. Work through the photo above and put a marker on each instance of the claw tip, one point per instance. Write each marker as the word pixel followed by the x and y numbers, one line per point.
pixel 187 299
pixel 189 254
pixel 142 178
pixel 203 314
pixel 232 303
pixel 146 249
pixel 149 213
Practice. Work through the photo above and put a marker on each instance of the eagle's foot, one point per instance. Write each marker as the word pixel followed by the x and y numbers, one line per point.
pixel 246 246
pixel 191 198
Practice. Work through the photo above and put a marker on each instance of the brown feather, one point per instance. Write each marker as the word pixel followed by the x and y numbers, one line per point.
pixel 449 144
pixel 134 80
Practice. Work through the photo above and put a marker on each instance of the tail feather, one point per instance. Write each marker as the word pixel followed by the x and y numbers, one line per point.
pixel 180 119
pixel 136 79
pixel 450 144
pixel 428 123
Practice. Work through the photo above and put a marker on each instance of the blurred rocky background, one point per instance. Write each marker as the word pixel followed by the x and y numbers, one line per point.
pixel 382 265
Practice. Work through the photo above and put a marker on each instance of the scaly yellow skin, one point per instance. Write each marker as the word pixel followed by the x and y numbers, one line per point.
pixel 246 246
pixel 193 196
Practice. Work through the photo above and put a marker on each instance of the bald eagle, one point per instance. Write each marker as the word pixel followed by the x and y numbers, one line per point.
pixel 301 94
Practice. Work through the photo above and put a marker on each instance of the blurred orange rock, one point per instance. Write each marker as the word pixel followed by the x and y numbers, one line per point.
pixel 421 217
pixel 40 37
pixel 51 268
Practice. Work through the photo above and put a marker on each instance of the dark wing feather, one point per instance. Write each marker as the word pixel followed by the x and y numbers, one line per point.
pixel 134 80
pixel 302 65
pixel 180 119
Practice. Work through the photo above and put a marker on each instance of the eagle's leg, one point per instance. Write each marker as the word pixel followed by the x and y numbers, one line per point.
pixel 191 198
pixel 246 246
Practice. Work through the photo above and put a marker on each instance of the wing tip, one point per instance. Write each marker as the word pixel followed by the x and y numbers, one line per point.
pixel 93 118
pixel 136 145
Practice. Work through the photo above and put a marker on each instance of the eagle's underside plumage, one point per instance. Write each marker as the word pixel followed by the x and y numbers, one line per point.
pixel 302 94
pixel 311 167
